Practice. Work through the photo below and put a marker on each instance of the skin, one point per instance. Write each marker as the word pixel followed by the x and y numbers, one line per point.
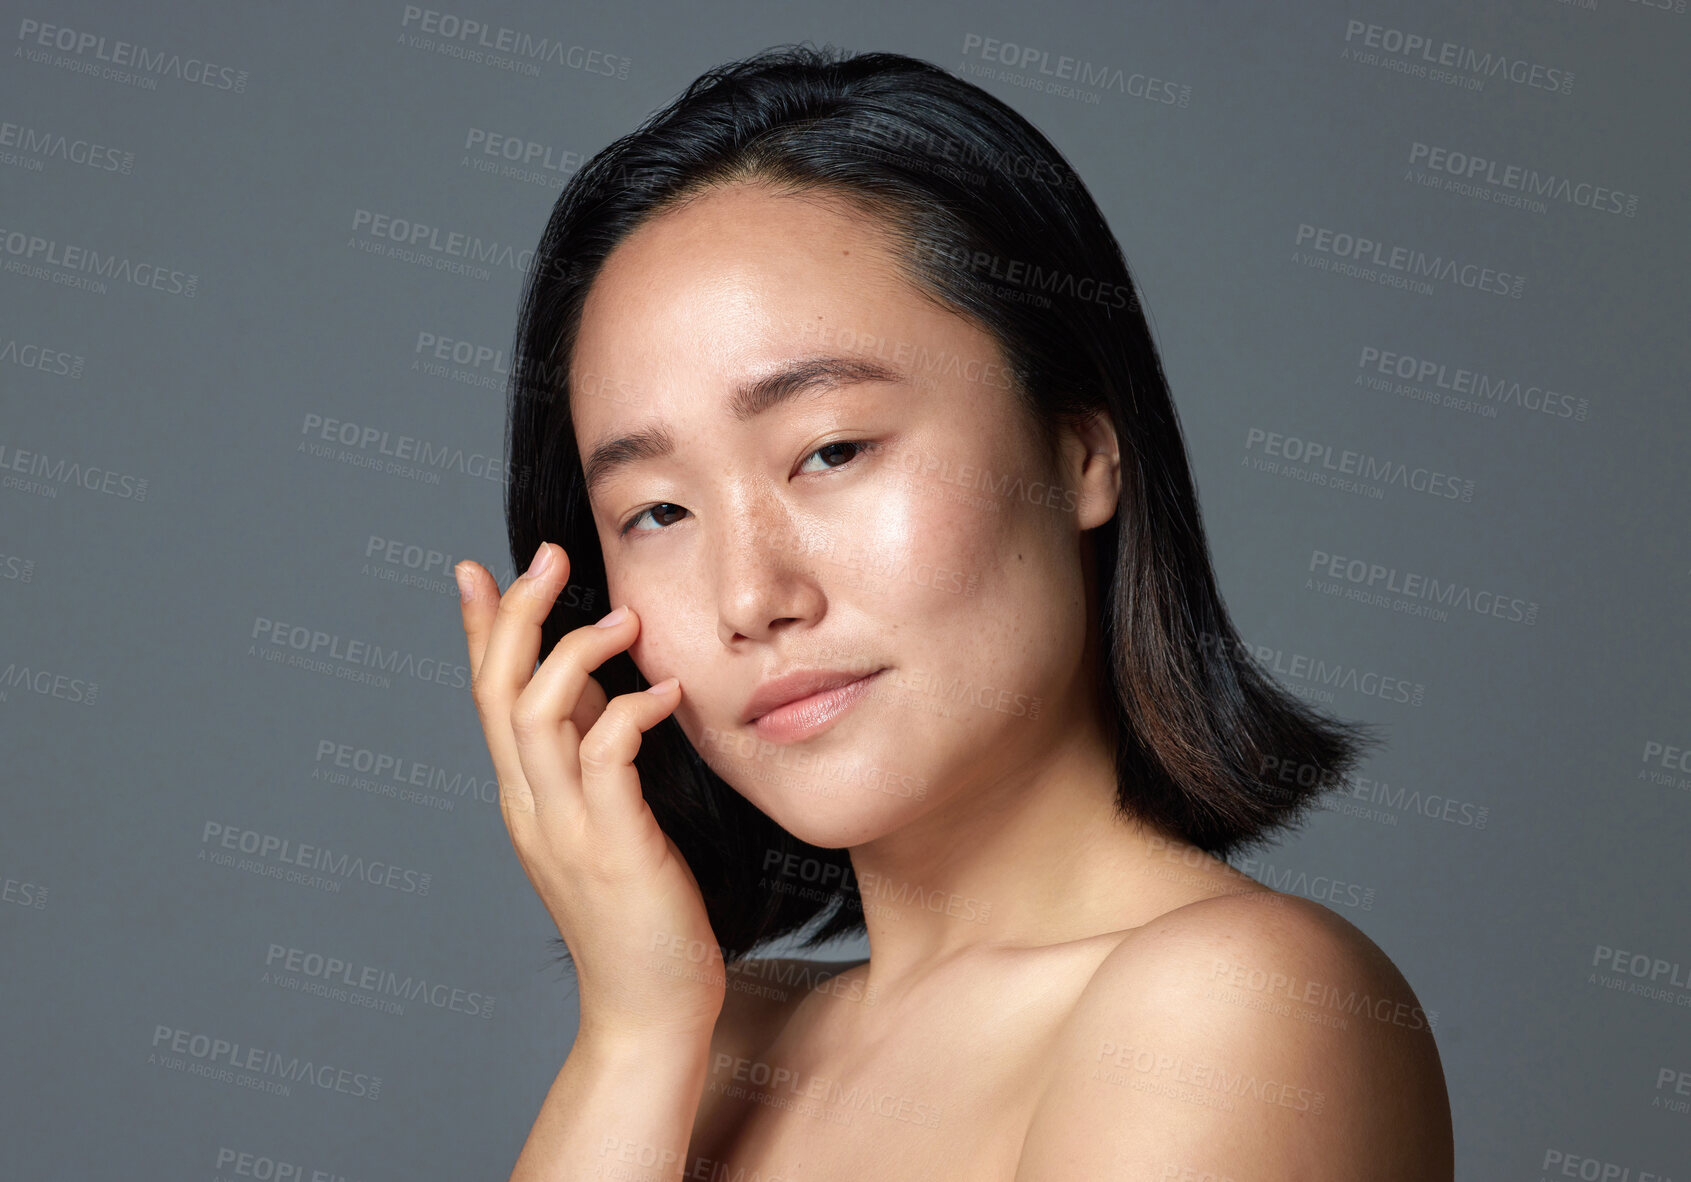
pixel 1055 990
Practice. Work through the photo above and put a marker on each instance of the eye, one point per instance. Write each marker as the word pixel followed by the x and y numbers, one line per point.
pixel 655 510
pixel 857 447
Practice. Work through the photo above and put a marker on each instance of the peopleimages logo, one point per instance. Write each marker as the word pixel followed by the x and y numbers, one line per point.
pixel 1404 801
pixel 1472 169
pixel 1457 385
pixel 470 363
pixel 51 145
pixel 1316 670
pixel 1054 71
pixel 307 971
pixel 43 359
pixel 1360 251
pixel 47 684
pixel 1661 763
pixel 472 40
pixel 1375 578
pixel 363 445
pixel 448 250
pixel 320 651
pixel 529 157
pixel 1025 274
pixel 335 760
pixel 44 475
pixel 1444 61
pixel 1198 1081
pixel 1323 888
pixel 1329 464
pixel 1559 1163
pixel 138 58
pixel 261 1168
pixel 287 852
pixel 266 1070
pixel 74 265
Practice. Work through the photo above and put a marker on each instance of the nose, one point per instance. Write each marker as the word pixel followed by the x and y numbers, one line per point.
pixel 765 572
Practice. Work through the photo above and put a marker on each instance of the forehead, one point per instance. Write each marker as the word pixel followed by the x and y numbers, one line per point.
pixel 727 285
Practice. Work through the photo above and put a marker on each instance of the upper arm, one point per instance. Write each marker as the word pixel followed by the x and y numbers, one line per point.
pixel 1251 1036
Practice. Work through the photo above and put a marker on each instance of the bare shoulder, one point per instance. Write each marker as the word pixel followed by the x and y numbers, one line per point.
pixel 1245 1035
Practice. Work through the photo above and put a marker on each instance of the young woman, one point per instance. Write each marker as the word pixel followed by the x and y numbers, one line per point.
pixel 832 379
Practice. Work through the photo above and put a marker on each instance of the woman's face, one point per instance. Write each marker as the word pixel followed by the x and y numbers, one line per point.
pixel 901 522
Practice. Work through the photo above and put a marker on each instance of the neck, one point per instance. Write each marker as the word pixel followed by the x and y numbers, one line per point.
pixel 1030 854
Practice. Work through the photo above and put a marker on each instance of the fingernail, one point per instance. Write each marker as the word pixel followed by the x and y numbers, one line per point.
pixel 540 562
pixel 614 618
pixel 464 584
pixel 663 686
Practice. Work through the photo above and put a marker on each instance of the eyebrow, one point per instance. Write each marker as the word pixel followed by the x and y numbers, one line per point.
pixel 809 375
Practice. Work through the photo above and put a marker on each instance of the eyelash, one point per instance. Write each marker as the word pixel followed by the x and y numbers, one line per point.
pixel 864 447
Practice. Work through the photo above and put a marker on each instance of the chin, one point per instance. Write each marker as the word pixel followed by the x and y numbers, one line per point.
pixel 829 814
pixel 836 791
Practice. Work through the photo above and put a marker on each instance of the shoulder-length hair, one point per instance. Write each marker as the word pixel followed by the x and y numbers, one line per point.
pixel 992 221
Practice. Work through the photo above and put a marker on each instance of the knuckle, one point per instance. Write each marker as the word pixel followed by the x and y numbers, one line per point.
pixel 595 759
pixel 575 644
pixel 514 603
pixel 602 748
pixel 606 744
pixel 574 652
pixel 527 717
pixel 486 692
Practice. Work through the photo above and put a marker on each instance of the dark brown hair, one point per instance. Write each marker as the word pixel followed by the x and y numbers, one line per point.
pixel 993 223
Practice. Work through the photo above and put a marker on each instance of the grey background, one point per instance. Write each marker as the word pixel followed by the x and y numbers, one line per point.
pixel 137 708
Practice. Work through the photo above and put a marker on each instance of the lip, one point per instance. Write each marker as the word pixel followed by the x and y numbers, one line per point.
pixel 800 705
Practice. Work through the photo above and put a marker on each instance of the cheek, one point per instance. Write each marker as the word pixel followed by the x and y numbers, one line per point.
pixel 920 521
pixel 670 645
pixel 655 651
pixel 651 604
pixel 985 576
pixel 938 546
pixel 962 503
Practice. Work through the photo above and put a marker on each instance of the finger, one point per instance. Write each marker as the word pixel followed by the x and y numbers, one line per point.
pixel 511 627
pixel 554 710
pixel 478 600
pixel 513 641
pixel 499 629
pixel 562 688
pixel 610 786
